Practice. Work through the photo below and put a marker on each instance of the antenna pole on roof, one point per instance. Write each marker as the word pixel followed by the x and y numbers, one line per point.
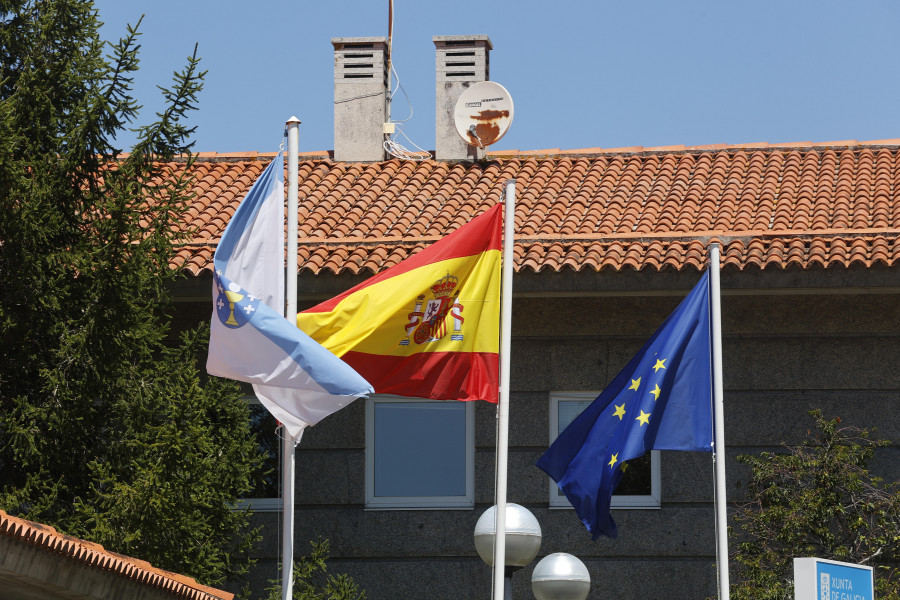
pixel 390 67
pixel 289 442
pixel 390 34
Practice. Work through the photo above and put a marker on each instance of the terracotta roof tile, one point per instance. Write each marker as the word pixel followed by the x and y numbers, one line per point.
pixel 94 555
pixel 827 205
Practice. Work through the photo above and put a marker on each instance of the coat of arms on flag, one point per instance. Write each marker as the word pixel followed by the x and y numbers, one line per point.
pixel 430 324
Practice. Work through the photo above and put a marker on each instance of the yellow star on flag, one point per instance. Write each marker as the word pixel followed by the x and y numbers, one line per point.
pixel 660 364
pixel 644 418
pixel 612 461
pixel 655 393
pixel 620 411
pixel 635 383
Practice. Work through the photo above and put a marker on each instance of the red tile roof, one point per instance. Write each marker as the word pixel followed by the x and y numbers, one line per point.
pixel 827 205
pixel 94 555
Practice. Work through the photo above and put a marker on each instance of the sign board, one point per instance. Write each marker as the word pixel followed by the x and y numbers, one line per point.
pixel 821 579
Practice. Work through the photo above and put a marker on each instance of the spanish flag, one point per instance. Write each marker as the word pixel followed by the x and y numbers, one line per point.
pixel 428 327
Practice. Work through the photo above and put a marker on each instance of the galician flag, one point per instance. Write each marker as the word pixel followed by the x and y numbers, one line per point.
pixel 296 379
pixel 428 327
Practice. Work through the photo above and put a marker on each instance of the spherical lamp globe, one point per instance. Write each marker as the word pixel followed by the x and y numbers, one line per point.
pixel 560 576
pixel 523 536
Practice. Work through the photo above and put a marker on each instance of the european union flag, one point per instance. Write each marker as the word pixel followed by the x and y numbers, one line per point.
pixel 662 400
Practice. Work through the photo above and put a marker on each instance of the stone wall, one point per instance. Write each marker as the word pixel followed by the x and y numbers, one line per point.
pixel 784 354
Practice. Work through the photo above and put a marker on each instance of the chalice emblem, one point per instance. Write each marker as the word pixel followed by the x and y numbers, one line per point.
pixel 234 305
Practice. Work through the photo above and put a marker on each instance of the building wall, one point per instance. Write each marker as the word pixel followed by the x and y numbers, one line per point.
pixel 785 353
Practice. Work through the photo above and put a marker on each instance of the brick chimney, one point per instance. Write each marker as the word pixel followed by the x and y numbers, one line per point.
pixel 462 60
pixel 360 98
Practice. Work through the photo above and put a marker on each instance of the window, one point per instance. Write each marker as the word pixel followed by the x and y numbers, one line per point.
pixel 266 494
pixel 420 454
pixel 640 486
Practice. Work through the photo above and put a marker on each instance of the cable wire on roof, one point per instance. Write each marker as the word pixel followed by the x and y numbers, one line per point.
pixel 397 150
pixel 391 145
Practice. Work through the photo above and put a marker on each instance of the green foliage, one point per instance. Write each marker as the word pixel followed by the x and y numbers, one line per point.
pixel 817 499
pixel 312 581
pixel 108 430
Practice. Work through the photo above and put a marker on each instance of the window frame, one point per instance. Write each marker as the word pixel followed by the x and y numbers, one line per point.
pixel 461 502
pixel 558 500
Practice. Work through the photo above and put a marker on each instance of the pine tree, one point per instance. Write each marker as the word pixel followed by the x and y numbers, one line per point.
pixel 108 431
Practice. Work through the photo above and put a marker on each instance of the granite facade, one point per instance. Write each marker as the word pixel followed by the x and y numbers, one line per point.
pixel 787 350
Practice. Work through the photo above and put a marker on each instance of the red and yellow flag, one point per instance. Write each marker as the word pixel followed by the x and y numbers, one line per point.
pixel 428 327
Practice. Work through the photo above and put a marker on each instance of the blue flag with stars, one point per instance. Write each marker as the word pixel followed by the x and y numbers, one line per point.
pixel 662 400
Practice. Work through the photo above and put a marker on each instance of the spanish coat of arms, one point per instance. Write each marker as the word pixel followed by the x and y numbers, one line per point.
pixel 428 321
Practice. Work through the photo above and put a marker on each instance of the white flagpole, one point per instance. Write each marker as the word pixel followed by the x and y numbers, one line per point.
pixel 509 214
pixel 718 395
pixel 287 503
pixel 290 442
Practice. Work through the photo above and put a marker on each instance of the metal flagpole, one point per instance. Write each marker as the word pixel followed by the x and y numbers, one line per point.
pixel 287 506
pixel 718 394
pixel 509 211
pixel 290 442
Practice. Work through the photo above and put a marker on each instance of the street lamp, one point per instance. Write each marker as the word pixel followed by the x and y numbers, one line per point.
pixel 523 539
pixel 560 576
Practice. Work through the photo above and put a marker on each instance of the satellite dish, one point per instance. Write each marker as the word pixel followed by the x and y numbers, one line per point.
pixel 483 113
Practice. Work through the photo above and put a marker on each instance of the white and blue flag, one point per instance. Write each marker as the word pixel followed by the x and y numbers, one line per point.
pixel 294 377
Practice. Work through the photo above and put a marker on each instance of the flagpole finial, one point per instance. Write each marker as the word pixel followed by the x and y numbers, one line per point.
pixel 292 120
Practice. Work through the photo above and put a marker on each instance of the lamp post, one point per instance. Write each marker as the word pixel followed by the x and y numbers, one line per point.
pixel 523 540
pixel 560 576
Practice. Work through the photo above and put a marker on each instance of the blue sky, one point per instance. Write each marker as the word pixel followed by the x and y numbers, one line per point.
pixel 581 73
